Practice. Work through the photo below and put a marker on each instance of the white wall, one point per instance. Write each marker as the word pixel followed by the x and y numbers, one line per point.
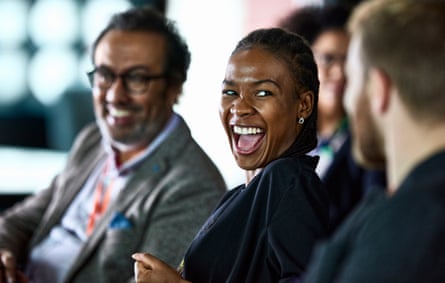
pixel 211 29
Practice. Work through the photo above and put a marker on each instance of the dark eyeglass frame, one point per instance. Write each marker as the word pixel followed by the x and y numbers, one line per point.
pixel 327 59
pixel 126 80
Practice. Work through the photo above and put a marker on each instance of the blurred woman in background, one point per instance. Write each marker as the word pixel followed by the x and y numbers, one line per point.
pixel 324 27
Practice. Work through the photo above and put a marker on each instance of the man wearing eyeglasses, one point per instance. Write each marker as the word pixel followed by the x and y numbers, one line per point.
pixel 135 180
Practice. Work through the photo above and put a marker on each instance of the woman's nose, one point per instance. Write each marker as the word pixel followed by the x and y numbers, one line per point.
pixel 337 71
pixel 241 107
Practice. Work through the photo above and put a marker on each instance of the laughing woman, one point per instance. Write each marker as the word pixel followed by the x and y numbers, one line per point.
pixel 264 230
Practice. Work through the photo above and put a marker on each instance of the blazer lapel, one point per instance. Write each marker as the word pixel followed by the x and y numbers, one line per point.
pixel 73 184
pixel 142 183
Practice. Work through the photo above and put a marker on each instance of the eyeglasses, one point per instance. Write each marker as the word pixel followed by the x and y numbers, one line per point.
pixel 133 80
pixel 327 60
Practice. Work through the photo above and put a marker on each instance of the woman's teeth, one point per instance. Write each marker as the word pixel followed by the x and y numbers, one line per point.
pixel 247 130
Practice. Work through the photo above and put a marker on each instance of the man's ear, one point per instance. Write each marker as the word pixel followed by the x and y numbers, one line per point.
pixel 174 90
pixel 379 85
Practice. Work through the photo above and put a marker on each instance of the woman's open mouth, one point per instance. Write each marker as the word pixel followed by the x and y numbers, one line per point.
pixel 247 139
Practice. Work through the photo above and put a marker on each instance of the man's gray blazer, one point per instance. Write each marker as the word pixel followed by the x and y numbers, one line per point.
pixel 166 201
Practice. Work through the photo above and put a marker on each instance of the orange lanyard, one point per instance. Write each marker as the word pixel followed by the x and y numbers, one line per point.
pixel 101 200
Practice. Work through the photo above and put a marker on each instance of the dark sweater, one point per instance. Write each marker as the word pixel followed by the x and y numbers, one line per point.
pixel 264 232
pixel 393 239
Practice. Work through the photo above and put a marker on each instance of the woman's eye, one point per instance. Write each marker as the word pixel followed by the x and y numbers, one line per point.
pixel 228 92
pixel 263 93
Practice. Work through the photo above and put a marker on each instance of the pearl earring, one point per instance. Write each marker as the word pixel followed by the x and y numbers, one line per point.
pixel 301 120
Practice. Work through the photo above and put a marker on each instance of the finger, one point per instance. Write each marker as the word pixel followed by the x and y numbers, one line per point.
pixel 147 260
pixel 6 277
pixel 140 266
pixel 7 260
pixel 9 268
pixel 141 273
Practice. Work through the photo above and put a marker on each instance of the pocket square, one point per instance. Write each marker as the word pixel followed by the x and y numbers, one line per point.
pixel 119 221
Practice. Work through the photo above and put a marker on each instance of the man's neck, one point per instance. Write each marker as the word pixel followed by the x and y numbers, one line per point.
pixel 124 156
pixel 407 146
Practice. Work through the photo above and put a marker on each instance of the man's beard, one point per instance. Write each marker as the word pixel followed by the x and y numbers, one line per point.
pixel 131 140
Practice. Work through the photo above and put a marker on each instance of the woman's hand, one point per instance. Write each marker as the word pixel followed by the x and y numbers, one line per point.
pixel 149 269
pixel 8 269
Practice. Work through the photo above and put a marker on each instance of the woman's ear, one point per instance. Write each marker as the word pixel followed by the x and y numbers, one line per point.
pixel 306 104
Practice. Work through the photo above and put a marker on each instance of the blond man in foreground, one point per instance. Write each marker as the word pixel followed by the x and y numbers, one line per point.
pixel 396 70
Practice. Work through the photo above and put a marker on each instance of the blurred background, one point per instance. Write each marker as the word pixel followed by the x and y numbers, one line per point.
pixel 44 95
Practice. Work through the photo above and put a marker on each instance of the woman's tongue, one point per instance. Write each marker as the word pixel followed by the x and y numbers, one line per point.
pixel 248 143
